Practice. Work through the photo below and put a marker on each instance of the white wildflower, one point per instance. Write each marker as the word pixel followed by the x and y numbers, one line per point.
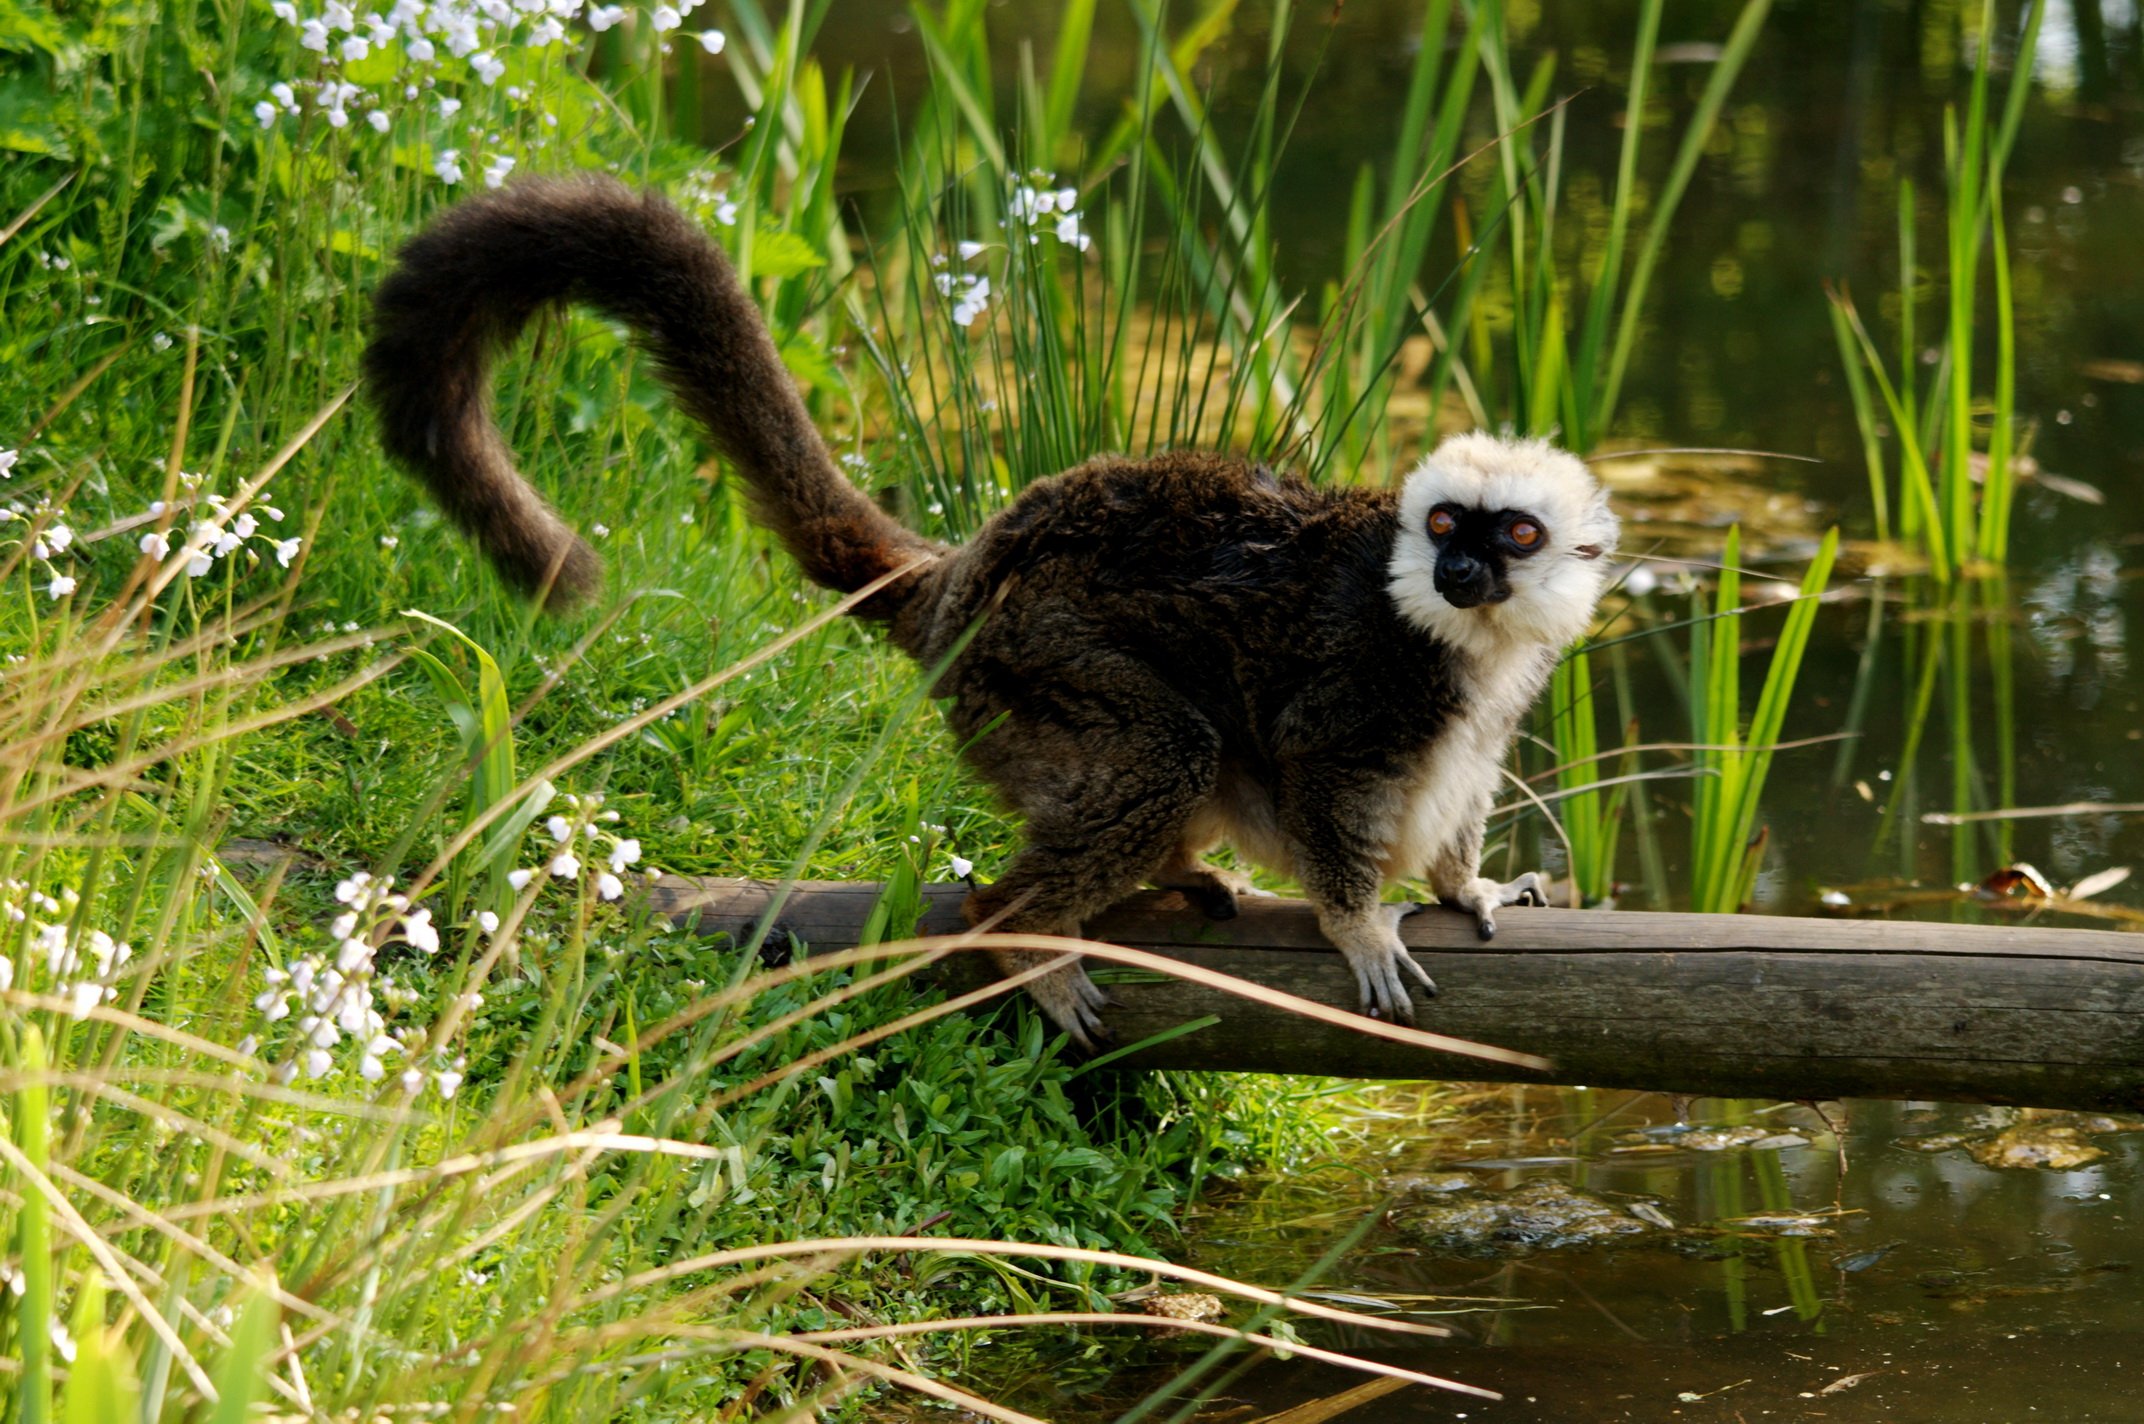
pixel 285 11
pixel 448 108
pixel 487 921
pixel 519 879
pixel 713 41
pixel 355 48
pixel 82 997
pixel 449 166
pixel 969 251
pixel 560 828
pixel 488 68
pixel 624 853
pixel 284 95
pixel 313 35
pixel 267 113
pixel 420 49
pixel 379 121
pixel 609 886
pixel 156 545
pixel 962 867
pixel 665 19
pixel 7 463
pixel 413 1081
pixel 286 550
pixel 496 170
pixel 418 929
pixel 61 586
pixel 565 865
pixel 448 1080
pixel 602 17
pixel 347 891
pixel 317 1062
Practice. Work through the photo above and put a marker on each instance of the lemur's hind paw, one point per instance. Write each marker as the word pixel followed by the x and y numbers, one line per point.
pixel 1483 897
pixel 1074 1003
pixel 1214 890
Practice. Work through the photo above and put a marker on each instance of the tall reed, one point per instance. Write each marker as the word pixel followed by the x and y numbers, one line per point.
pixel 1952 501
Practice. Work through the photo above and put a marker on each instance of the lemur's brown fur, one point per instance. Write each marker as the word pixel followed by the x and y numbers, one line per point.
pixel 1182 649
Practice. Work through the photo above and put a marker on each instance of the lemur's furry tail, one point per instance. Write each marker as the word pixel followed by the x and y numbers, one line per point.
pixel 466 285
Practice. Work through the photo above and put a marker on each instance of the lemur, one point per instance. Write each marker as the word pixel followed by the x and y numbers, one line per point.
pixel 1167 653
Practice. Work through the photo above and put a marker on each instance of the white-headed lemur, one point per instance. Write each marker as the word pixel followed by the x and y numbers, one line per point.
pixel 1170 653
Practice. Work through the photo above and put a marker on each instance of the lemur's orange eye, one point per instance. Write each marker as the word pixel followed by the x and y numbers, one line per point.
pixel 1525 533
pixel 1441 522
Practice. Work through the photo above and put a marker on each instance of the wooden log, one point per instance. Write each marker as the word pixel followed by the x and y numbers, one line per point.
pixel 1706 1005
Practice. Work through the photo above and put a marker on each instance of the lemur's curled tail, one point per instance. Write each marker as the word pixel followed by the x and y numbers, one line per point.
pixel 466 285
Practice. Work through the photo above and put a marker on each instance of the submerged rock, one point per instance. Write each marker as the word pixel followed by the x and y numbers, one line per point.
pixel 1423 1184
pixel 2036 1144
pixel 2053 1141
pixel 1535 1216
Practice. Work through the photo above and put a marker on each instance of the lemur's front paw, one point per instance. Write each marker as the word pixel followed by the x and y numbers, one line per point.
pixel 1482 897
pixel 1382 964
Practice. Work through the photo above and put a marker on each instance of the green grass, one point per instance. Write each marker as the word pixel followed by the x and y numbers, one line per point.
pixel 478 1200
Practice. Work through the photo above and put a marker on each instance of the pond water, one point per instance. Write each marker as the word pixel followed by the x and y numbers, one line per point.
pixel 1919 1285
pixel 1939 1287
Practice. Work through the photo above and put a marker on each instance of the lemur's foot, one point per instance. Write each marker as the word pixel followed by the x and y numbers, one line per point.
pixel 1481 898
pixel 1074 1003
pixel 1213 889
pixel 1371 943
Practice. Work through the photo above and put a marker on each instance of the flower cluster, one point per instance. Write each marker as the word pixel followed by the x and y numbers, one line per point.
pixel 218 536
pixel 970 292
pixel 79 965
pixel 1035 203
pixel 336 996
pixel 50 536
pixel 586 829
pixel 221 533
pixel 417 45
pixel 705 194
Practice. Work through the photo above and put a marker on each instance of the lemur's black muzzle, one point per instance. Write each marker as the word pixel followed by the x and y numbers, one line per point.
pixel 1467 582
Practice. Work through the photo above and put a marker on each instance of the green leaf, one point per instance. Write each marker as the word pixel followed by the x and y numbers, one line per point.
pixel 101 1383
pixel 782 254
pixel 243 1376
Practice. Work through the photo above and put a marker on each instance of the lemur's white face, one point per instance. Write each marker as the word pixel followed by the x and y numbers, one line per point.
pixel 1502 545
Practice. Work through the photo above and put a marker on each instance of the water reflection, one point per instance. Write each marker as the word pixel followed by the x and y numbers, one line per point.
pixel 1953 1289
